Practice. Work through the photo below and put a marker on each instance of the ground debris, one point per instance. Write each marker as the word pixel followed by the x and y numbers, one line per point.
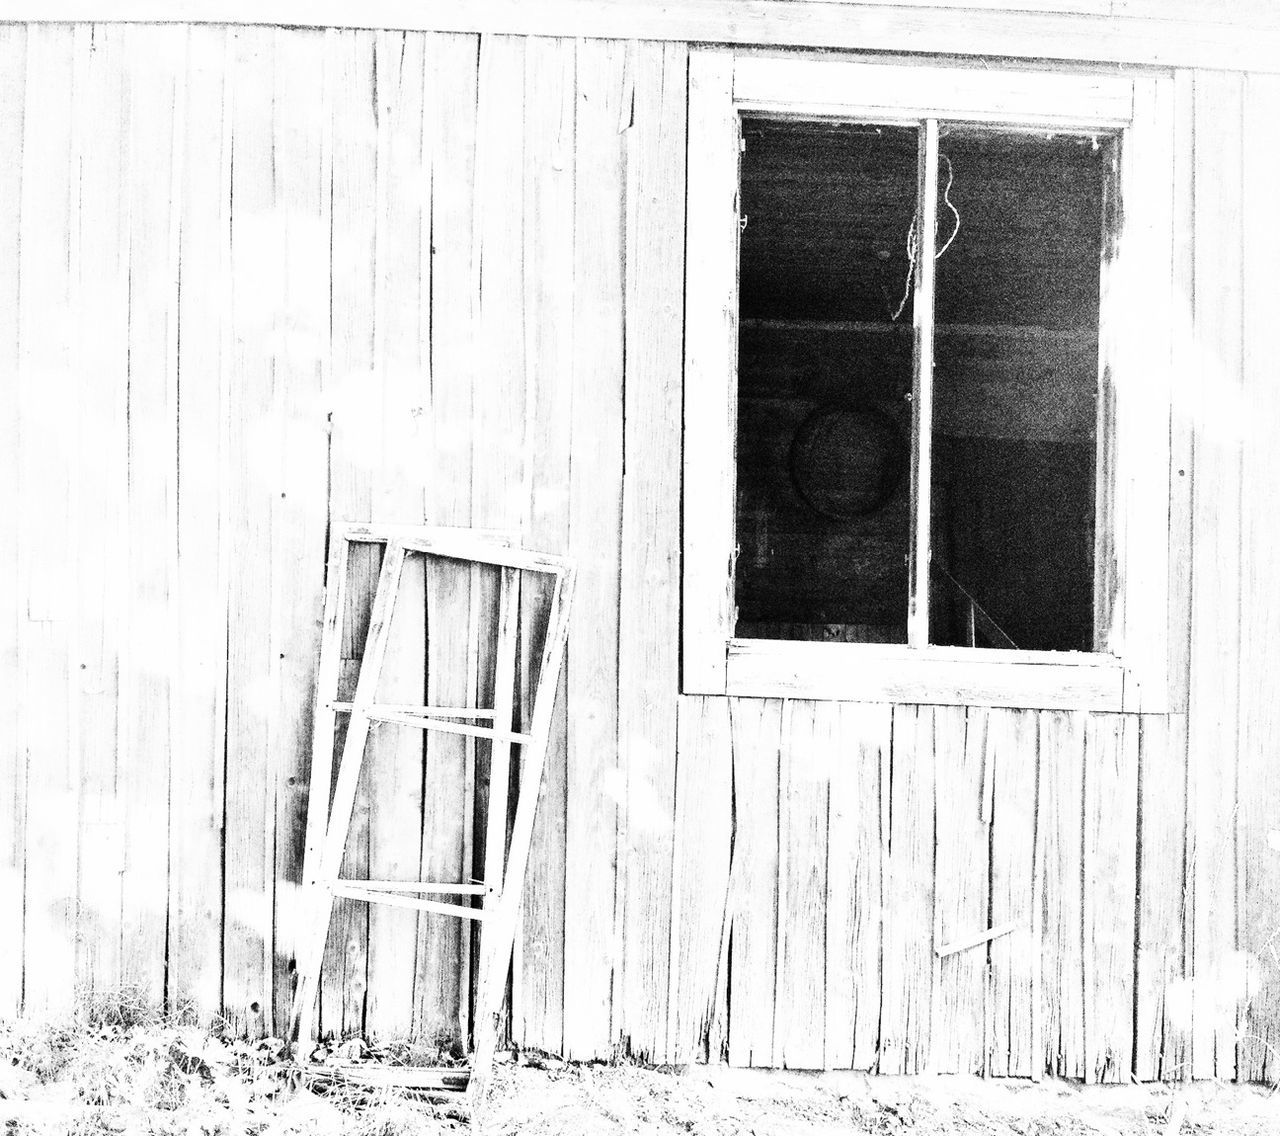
pixel 93 1074
pixel 153 1075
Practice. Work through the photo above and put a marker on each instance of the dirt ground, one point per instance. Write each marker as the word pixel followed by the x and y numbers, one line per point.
pixel 97 1076
pixel 704 1101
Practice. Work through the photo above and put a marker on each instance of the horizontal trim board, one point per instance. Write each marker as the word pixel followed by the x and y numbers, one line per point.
pixel 412 903
pixel 879 92
pixel 414 720
pixel 851 672
pixel 446 888
pixel 456 544
pixel 429 711
pixel 1039 335
pixel 1060 7
pixel 361 532
pixel 1253 46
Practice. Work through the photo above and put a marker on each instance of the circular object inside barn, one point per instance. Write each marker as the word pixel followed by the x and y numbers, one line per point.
pixel 847 461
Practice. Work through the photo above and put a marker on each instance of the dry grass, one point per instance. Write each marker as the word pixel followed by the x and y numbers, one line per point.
pixel 122 1067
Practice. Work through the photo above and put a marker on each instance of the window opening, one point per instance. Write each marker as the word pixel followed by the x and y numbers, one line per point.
pixel 831 512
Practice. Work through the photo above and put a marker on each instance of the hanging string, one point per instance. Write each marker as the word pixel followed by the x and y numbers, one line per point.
pixel 911 271
pixel 946 200
pixel 911 238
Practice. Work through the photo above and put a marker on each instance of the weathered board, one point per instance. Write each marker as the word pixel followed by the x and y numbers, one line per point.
pixel 804 784
pixel 1213 710
pixel 1258 820
pixel 653 116
pixel 401 378
pixel 962 892
pixel 1058 1013
pixel 13 782
pixel 349 149
pixel 591 948
pixel 1109 875
pixel 103 443
pixel 1011 757
pixel 1163 1021
pixel 858 768
pixel 703 851
pixel 203 552
pixel 248 883
pixel 47 745
pixel 910 936
pixel 441 997
pixel 756 731
pixel 549 177
pixel 298 461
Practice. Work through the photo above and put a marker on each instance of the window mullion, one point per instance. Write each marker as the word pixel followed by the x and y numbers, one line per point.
pixel 922 387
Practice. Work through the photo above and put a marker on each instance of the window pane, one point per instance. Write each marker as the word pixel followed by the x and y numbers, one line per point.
pixel 1015 392
pixel 823 374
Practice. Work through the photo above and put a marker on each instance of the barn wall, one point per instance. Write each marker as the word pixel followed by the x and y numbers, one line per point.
pixel 271 279
pixel 256 280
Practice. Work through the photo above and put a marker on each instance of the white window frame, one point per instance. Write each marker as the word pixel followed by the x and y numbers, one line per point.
pixel 1129 670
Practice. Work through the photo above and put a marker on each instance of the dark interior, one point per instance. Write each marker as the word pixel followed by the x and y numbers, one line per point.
pixel 824 426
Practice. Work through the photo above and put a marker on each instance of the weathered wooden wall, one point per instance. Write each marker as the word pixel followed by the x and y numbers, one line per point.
pixel 254 280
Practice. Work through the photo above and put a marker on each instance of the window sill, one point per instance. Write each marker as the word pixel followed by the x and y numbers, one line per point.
pixel 947 676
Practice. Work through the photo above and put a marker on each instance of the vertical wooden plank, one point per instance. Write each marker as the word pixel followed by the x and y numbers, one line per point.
pixel 256 264
pixel 83 633
pixel 45 509
pixel 1110 887
pixel 449 123
pixel 353 448
pixel 1258 861
pixel 499 412
pixel 300 476
pixel 1011 750
pixel 499 398
pixel 700 879
pixel 1059 811
pixel 157 114
pixel 401 301
pixel 1163 1013
pixel 1137 280
pixel 550 332
pixel 1039 850
pixel 710 367
pixel 195 877
pixel 756 734
pixel 854 897
pixel 961 889
pixel 648 659
pixel 808 756
pixel 13 59
pixel 102 445
pixel 1184 394
pixel 1162 1017
pixel 847 827
pixel 1213 708
pixel 906 1009
pixel 591 952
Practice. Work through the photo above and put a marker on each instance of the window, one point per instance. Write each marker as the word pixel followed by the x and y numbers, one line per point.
pixel 926 383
